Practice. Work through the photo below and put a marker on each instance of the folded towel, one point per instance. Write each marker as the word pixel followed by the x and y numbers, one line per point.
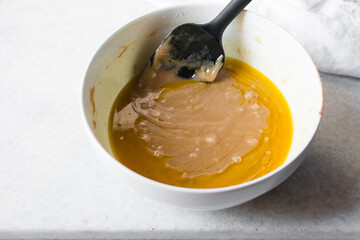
pixel 328 29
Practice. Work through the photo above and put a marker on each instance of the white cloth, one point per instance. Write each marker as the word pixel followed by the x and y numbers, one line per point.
pixel 328 29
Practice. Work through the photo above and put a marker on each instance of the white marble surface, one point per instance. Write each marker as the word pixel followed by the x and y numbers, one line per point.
pixel 53 186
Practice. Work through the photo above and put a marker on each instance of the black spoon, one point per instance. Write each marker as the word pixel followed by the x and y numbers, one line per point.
pixel 195 50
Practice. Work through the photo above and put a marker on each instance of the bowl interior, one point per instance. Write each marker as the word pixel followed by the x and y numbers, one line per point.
pixel 249 38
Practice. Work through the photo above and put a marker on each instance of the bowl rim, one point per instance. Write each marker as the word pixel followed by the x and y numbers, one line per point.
pixel 185 189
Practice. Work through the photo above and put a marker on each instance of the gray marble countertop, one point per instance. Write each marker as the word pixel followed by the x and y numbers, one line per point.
pixel 52 186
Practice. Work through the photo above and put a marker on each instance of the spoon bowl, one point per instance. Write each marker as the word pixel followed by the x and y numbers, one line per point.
pixel 191 48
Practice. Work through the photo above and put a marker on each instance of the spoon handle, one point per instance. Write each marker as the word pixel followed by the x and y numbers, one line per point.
pixel 217 26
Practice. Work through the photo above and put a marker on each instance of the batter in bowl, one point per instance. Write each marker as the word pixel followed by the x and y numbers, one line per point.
pixel 201 135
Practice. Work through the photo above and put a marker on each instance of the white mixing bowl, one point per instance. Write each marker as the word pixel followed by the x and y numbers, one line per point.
pixel 250 38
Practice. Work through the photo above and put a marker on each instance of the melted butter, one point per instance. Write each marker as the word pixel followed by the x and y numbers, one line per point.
pixel 192 134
